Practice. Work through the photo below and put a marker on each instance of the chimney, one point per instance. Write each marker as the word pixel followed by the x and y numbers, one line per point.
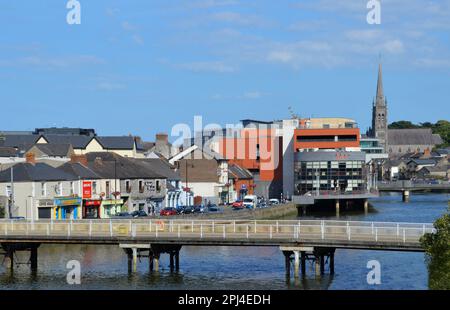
pixel 30 158
pixel 162 138
pixel 82 159
pixel 427 153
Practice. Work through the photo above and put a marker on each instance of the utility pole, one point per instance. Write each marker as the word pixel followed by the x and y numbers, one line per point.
pixel 115 185
pixel 186 189
pixel 11 201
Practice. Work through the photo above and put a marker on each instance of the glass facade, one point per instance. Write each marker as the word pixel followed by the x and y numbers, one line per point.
pixel 330 175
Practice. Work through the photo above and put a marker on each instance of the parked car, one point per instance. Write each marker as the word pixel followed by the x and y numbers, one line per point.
pixel 168 212
pixel 238 204
pixel 250 201
pixel 213 208
pixel 274 201
pixel 199 209
pixel 140 213
pixel 188 210
pixel 262 205
pixel 123 215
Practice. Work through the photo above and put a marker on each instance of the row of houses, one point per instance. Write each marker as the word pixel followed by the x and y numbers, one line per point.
pixel 58 180
pixel 418 165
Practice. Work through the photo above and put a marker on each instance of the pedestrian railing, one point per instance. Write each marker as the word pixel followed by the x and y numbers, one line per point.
pixel 304 230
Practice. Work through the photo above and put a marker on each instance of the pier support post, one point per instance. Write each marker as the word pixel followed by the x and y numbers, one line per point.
pixel 130 261
pixel 366 206
pixel 322 264
pixel 172 265
pixel 332 263
pixel 337 207
pixel 177 260
pixel 317 266
pixel 150 261
pixel 156 261
pixel 287 263
pixel 405 196
pixel 134 259
pixel 303 262
pixel 34 258
pixel 296 263
pixel 10 255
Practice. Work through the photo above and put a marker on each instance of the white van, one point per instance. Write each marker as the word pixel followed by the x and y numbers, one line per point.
pixel 250 201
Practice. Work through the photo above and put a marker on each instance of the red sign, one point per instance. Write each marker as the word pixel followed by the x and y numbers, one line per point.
pixel 87 189
pixel 90 203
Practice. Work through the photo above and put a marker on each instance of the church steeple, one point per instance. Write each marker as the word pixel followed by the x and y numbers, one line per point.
pixel 380 100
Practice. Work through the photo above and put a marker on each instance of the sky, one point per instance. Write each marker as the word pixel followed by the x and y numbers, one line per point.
pixel 142 66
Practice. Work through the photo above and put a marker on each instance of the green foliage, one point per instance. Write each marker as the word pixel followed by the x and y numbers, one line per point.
pixel 437 249
pixel 402 125
pixel 441 127
pixel 2 211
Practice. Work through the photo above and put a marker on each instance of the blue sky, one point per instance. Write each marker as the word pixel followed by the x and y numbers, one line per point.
pixel 140 67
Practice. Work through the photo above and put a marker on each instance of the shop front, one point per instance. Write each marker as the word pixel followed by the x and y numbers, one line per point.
pixel 67 208
pixel 110 207
pixel 91 208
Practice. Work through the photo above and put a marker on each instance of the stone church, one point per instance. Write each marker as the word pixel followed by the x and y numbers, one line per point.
pixel 397 141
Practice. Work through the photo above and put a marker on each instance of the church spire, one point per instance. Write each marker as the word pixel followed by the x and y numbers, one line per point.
pixel 380 100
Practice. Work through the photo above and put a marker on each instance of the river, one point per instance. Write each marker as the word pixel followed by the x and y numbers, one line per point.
pixel 105 267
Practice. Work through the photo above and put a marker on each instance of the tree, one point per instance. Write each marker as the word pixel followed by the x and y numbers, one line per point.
pixel 437 249
pixel 402 125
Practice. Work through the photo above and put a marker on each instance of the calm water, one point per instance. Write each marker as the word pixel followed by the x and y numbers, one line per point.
pixel 105 267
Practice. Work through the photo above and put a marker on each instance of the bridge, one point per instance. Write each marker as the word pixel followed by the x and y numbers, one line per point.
pixel 305 239
pixel 407 186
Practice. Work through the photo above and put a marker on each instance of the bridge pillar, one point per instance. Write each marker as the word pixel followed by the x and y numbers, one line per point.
pixel 172 264
pixel 156 261
pixel 296 263
pixel 303 262
pixel 134 250
pixel 322 264
pixel 177 260
pixel 10 255
pixel 287 263
pixel 337 207
pixel 34 258
pixel 332 263
pixel 150 261
pixel 366 206
pixel 405 196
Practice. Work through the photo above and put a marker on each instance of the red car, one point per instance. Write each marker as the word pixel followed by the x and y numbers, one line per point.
pixel 168 212
pixel 238 204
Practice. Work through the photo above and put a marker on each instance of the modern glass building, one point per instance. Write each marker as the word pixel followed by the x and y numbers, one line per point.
pixel 330 172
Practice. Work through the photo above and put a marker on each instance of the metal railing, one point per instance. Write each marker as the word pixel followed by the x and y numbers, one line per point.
pixel 304 230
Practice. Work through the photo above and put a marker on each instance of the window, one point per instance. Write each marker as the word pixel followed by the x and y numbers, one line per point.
pixel 8 190
pixel 43 189
pixel 158 186
pixel 128 186
pixel 72 188
pixel 326 126
pixel 108 188
pixel 58 189
pixel 94 187
pixel 141 186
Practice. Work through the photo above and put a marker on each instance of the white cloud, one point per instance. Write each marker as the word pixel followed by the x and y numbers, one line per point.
pixel 138 39
pixel 239 19
pixel 54 62
pixel 206 4
pixel 208 66
pixel 252 95
pixel 128 27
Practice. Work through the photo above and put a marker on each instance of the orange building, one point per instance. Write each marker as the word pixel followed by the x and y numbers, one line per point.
pixel 332 138
pixel 259 151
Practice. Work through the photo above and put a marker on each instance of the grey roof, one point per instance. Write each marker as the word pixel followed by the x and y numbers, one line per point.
pixel 111 165
pixel 79 171
pixel 54 149
pixel 423 161
pixel 161 167
pixel 78 142
pixel 117 143
pixel 436 168
pixel 420 136
pixel 26 172
pixel 238 172
pixel 20 141
pixel 8 152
